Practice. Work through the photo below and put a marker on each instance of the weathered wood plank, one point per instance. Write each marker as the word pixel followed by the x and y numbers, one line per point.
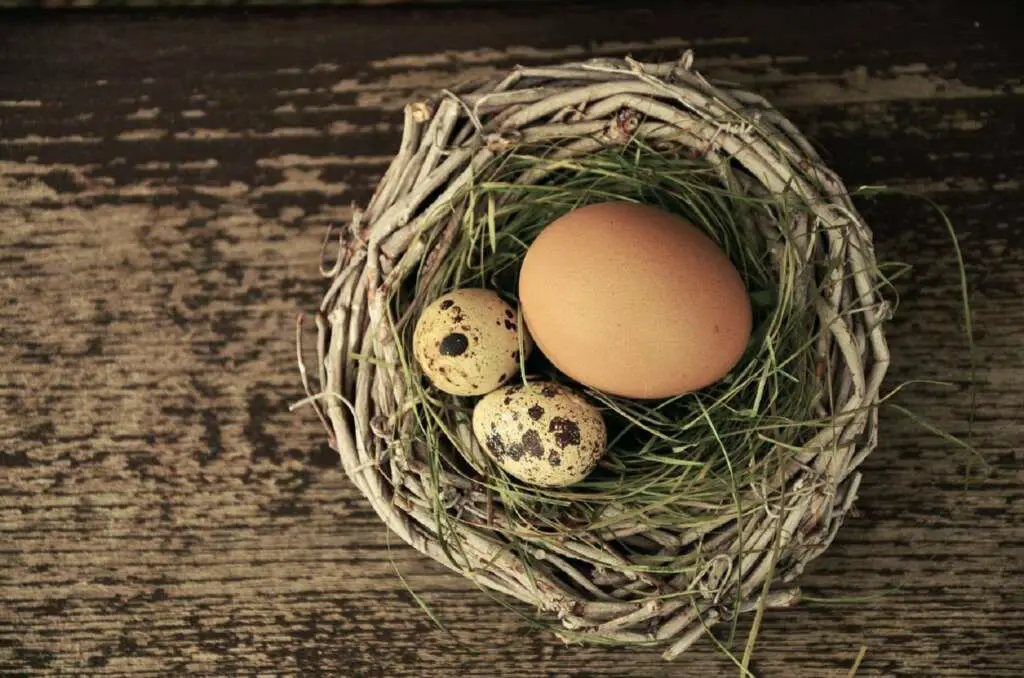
pixel 163 189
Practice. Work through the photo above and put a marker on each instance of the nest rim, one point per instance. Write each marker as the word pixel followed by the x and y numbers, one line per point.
pixel 598 103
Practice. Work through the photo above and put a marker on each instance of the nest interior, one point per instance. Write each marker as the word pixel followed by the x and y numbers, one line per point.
pixel 623 569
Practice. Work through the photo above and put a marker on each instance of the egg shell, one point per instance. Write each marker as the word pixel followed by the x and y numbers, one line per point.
pixel 467 341
pixel 542 433
pixel 634 301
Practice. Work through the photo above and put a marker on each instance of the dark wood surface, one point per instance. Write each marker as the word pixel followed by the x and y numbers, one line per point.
pixel 164 185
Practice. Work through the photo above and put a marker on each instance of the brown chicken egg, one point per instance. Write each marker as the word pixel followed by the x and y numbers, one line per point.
pixel 634 301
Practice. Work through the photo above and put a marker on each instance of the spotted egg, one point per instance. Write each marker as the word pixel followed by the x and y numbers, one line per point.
pixel 542 433
pixel 467 341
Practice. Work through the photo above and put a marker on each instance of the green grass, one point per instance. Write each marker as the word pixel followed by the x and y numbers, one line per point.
pixel 672 463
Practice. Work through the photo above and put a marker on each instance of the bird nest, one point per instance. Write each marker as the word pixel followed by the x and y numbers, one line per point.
pixel 706 505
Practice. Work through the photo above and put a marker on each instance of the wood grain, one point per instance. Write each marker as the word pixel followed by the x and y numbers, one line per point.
pixel 164 185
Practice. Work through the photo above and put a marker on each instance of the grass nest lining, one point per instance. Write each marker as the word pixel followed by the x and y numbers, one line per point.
pixel 705 505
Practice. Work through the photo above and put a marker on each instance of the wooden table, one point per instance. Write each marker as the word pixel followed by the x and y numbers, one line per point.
pixel 164 186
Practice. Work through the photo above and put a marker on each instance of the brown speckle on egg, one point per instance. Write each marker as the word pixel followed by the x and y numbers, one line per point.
pixel 496 445
pixel 532 444
pixel 566 431
pixel 453 344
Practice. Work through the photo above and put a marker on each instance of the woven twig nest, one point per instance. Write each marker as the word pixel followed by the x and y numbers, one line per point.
pixel 625 578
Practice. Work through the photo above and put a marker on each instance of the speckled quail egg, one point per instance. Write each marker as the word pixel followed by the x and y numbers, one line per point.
pixel 542 433
pixel 467 341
